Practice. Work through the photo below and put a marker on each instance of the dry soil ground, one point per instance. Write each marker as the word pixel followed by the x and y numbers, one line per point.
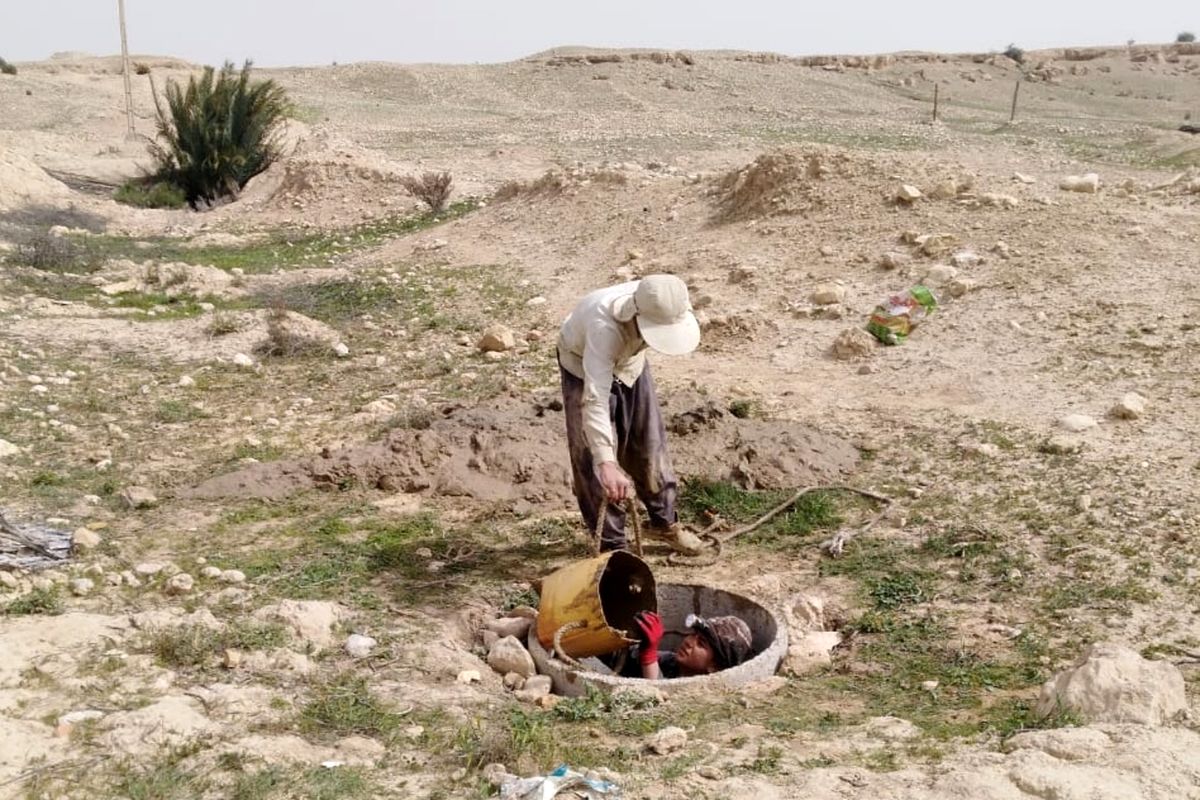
pixel 1012 543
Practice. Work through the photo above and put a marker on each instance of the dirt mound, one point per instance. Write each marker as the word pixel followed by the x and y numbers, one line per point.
pixel 506 451
pixel 23 182
pixel 783 182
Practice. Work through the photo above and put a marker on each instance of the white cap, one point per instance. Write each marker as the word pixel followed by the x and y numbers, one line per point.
pixel 664 315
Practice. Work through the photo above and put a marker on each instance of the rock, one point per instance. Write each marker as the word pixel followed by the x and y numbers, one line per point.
pixel 743 273
pixel 1131 406
pixel 908 193
pixel 468 676
pixel 341 350
pixel 8 449
pixel 960 286
pixel 710 773
pixel 186 381
pixel 1021 178
pixel 1111 683
pixel 667 741
pixel 489 639
pixel 1077 423
pixel 1088 184
pixel 1060 446
pixel 999 200
pixel 497 339
pixel 930 686
pixel 894 260
pixel 76 717
pixel 81 587
pixel 517 627
pixel 231 659
pixel 946 190
pixel 496 775
pixel 210 572
pixel 85 539
pixel 548 701
pixel 233 576
pixel 940 274
pixel 180 584
pixel 853 343
pixel 539 683
pixel 892 729
pixel 148 569
pixel 811 652
pixel 965 259
pixel 513 681
pixel 311 620
pixel 243 360
pixel 135 497
pixel 359 646
pixel 509 655
pixel 8 580
pixel 827 294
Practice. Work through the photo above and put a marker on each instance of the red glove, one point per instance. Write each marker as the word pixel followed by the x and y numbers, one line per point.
pixel 652 633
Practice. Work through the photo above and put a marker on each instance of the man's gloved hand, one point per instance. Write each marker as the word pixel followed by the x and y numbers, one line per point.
pixel 617 486
pixel 652 633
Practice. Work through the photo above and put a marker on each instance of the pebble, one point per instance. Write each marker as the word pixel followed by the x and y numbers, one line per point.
pixel 1131 406
pixel 148 569
pixel 497 339
pixel 186 381
pixel 827 294
pixel 81 587
pixel 359 646
pixel 1077 423
pixel 180 584
pixel 231 659
pixel 341 350
pixel 929 686
pixel 8 579
pixel 243 360
pixel 514 681
pixel 130 579
pixel 908 193
pixel 668 740
pixel 135 497
pixel 85 539
pixel 517 627
pixel 233 576
pixel 210 572
pixel 468 676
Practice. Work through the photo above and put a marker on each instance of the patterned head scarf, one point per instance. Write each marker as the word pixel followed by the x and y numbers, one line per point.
pixel 729 638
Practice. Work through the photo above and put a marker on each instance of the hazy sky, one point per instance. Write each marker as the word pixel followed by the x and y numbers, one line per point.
pixel 288 32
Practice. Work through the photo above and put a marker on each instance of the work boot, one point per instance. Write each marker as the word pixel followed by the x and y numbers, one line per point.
pixel 679 538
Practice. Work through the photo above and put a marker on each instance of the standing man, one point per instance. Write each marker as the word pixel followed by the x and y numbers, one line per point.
pixel 615 431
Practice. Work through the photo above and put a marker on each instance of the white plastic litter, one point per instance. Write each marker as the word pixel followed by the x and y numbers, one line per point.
pixel 545 787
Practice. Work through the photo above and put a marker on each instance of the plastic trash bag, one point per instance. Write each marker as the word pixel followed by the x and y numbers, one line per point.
pixel 895 317
pixel 564 782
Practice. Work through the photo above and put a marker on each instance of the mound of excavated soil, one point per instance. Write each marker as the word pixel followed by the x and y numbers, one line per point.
pixel 507 451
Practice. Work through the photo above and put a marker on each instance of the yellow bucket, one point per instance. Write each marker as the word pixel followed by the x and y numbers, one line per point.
pixel 602 595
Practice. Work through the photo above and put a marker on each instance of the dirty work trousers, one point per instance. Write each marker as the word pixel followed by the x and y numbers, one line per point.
pixel 641 440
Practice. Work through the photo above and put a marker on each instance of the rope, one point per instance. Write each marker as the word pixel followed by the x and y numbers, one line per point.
pixel 834 545
pixel 631 515
pixel 558 651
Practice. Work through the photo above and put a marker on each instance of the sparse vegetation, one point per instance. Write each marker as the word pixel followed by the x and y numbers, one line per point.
pixel 150 194
pixel 1185 37
pixel 198 646
pixel 51 253
pixel 38 601
pixel 217 133
pixel 432 188
pixel 7 68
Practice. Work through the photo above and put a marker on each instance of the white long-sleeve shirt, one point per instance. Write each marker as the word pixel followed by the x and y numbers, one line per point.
pixel 599 341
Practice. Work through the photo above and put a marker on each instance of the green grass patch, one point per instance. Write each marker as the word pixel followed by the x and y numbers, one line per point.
pixel 287 249
pixel 157 194
pixel 198 646
pixel 38 601
pixel 345 706
pixel 176 411
pixel 701 501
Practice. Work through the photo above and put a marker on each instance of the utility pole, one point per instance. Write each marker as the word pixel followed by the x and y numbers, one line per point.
pixel 130 133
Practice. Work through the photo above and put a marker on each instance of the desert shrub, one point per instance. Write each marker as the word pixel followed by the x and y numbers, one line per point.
pixel 7 68
pixel 52 254
pixel 1186 36
pixel 1015 53
pixel 141 69
pixel 283 341
pixel 152 194
pixel 551 183
pixel 217 133
pixel 432 188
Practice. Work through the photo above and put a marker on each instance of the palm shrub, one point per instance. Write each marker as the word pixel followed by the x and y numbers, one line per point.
pixel 217 133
